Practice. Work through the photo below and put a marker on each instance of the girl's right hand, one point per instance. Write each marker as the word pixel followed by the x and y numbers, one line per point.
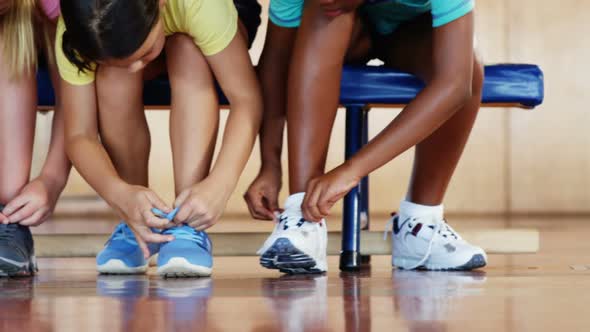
pixel 134 205
pixel 263 194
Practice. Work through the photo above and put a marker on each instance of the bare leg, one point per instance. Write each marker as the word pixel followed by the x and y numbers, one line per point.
pixel 17 125
pixel 122 123
pixel 410 49
pixel 314 79
pixel 194 118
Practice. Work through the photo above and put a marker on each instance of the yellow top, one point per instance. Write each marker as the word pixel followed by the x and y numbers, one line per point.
pixel 211 23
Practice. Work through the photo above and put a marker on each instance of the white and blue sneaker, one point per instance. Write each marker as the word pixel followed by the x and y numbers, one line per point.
pixel 188 255
pixel 296 246
pixel 122 254
pixel 431 244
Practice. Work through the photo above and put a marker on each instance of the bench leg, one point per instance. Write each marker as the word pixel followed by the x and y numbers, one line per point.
pixel 350 259
pixel 365 212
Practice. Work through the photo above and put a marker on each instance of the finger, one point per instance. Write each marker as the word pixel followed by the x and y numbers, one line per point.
pixel 310 209
pixel 158 203
pixel 152 237
pixel 24 213
pixel 15 204
pixel 257 205
pixel 203 227
pixel 141 243
pixel 34 219
pixel 153 221
pixel 273 202
pixel 269 208
pixel 183 214
pixel 181 198
pixel 253 213
pixel 3 219
pixel 324 205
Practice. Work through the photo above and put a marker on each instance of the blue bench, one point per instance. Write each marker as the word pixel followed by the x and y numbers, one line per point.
pixel 505 85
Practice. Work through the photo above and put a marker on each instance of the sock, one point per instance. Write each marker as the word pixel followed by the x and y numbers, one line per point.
pixel 294 201
pixel 409 209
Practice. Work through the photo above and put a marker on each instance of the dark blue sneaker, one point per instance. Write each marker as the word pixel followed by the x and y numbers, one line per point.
pixel 122 255
pixel 188 255
pixel 17 253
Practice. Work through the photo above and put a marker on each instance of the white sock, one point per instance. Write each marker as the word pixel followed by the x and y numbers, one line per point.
pixel 409 209
pixel 294 201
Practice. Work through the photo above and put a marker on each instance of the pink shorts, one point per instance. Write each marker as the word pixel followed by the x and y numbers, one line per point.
pixel 50 8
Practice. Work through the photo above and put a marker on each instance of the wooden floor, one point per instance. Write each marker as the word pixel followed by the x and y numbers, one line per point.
pixel 548 291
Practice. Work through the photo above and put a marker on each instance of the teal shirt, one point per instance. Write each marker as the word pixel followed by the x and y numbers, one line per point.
pixel 385 15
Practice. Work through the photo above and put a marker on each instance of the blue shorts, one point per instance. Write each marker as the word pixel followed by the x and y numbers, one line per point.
pixel 384 15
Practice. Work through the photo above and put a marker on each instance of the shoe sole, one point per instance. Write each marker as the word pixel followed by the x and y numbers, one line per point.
pixel 10 268
pixel 285 257
pixel 476 262
pixel 178 267
pixel 117 266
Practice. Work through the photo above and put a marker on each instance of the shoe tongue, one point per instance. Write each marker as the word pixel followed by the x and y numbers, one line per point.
pixel 293 202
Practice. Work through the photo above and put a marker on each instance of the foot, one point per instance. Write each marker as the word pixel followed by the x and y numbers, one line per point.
pixel 17 254
pixel 188 255
pixel 296 246
pixel 122 255
pixel 426 243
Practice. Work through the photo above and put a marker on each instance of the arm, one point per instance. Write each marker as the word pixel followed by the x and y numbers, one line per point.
pixel 447 90
pixel 132 203
pixel 202 204
pixel 262 196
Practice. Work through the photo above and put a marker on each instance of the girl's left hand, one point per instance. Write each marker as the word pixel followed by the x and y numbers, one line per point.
pixel 201 205
pixel 34 204
pixel 324 191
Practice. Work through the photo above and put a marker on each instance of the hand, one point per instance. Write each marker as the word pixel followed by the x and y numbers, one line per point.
pixel 201 205
pixel 5 6
pixel 263 194
pixel 35 202
pixel 324 191
pixel 134 205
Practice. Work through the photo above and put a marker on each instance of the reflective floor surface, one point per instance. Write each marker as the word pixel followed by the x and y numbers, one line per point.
pixel 549 291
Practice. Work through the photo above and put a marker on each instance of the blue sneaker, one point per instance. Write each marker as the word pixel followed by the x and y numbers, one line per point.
pixel 122 255
pixel 188 255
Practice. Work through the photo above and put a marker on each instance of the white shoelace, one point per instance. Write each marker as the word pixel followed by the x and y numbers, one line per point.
pixel 440 229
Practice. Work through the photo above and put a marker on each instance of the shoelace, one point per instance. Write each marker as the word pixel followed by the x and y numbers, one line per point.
pixel 121 233
pixel 188 233
pixel 7 232
pixel 440 229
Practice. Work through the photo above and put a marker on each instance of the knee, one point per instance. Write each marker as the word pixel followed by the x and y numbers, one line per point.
pixel 477 79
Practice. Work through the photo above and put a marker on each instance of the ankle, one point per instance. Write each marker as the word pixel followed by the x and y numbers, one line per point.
pixel 412 210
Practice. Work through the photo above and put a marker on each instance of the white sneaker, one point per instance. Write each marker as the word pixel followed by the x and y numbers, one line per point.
pixel 296 246
pixel 426 243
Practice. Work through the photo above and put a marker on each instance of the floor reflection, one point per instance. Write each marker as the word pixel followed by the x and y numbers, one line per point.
pixel 426 299
pixel 419 301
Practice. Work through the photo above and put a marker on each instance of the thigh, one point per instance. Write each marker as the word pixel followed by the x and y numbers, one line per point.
pixel 187 67
pixel 409 47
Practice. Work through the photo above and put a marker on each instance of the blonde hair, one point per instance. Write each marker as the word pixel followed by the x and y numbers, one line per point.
pixel 17 30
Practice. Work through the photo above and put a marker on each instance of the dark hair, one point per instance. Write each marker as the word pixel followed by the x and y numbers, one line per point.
pixel 105 29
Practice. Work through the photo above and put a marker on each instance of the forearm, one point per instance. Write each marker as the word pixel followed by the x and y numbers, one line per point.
pixel 93 163
pixel 420 118
pixel 238 141
pixel 273 72
pixel 57 165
